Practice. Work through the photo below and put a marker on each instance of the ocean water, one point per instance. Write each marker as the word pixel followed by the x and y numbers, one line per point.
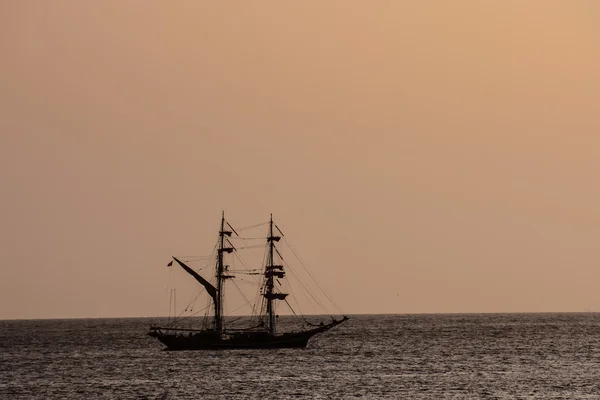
pixel 488 356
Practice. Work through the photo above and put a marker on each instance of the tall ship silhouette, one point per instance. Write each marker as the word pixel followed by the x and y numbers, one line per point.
pixel 261 330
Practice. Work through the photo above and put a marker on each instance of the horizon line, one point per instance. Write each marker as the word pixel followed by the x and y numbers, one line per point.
pixel 317 315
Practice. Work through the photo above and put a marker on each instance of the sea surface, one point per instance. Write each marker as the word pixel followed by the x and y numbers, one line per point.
pixel 487 356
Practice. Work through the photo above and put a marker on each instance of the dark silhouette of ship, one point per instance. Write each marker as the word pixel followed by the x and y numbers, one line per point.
pixel 262 334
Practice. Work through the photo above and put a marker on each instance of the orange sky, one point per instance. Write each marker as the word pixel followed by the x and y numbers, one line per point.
pixel 422 157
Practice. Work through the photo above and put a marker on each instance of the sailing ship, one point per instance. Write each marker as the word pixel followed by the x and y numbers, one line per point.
pixel 262 332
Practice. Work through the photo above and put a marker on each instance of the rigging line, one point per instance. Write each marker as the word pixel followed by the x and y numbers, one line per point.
pixel 169 280
pixel 244 296
pixel 170 302
pixel 242 293
pixel 295 299
pixel 206 255
pixel 242 306
pixel 247 238
pixel 297 302
pixel 201 268
pixel 195 296
pixel 279 230
pixel 254 246
pixel 242 271
pixel 185 318
pixel 251 271
pixel 289 305
pixel 255 310
pixel 213 253
pixel 235 320
pixel 278 253
pixel 243 263
pixel 198 269
pixel 206 321
pixel 240 280
pixel 305 288
pixel 255 307
pixel 253 226
pixel 312 276
pixel 174 303
pixel 293 312
pixel 231 227
pixel 231 244
pixel 192 315
pixel 242 316
pixel 188 257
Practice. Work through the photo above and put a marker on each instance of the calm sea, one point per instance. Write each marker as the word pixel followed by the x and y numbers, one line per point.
pixel 500 356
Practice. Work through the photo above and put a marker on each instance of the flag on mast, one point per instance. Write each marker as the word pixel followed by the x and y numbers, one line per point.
pixel 170 263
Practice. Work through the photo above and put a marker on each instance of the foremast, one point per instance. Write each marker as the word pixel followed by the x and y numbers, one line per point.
pixel 220 273
pixel 272 271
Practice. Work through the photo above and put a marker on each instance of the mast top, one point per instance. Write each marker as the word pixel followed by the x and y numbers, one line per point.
pixel 271 238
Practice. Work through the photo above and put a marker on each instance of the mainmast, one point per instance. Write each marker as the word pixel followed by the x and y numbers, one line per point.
pixel 221 274
pixel 272 271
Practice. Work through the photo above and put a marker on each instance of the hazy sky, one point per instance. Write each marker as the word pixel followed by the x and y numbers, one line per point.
pixel 421 156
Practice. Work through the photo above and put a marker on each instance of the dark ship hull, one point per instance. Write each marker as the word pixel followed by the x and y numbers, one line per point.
pixel 211 340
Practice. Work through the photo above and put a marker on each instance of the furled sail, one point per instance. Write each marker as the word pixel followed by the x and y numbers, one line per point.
pixel 275 296
pixel 212 291
pixel 278 274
